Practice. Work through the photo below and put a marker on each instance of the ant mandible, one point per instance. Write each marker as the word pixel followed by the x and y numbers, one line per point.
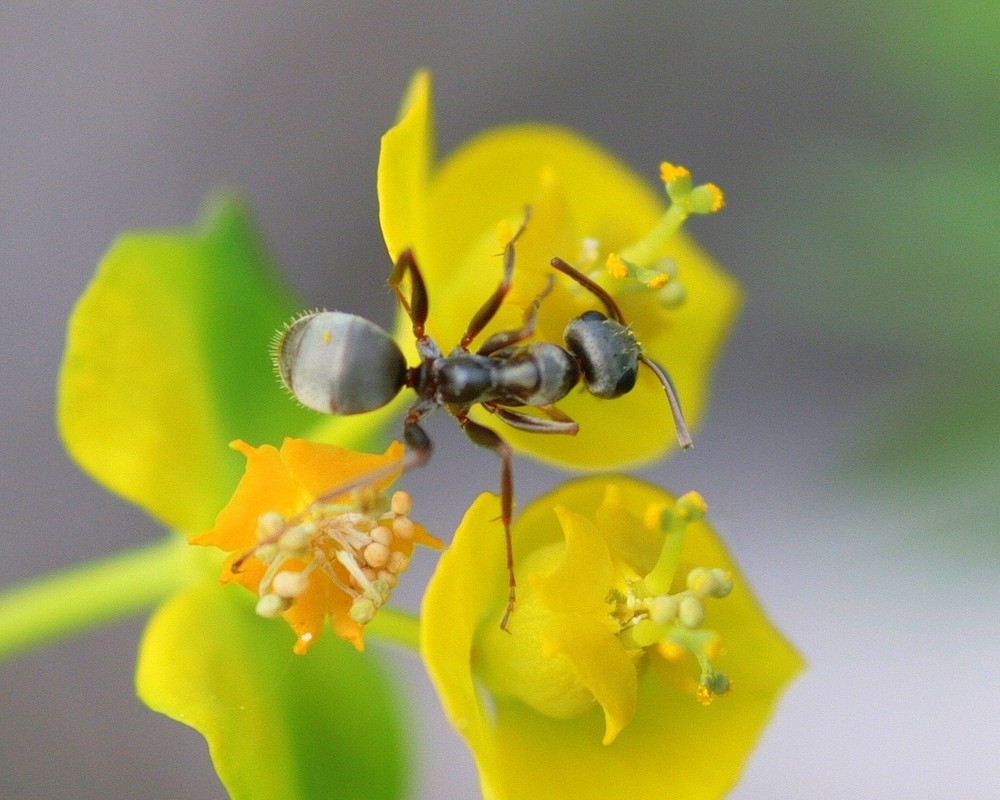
pixel 341 363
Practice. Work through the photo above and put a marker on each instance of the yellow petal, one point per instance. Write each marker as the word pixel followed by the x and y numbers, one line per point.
pixel 467 592
pixel 601 664
pixel 580 581
pixel 404 165
pixel 496 173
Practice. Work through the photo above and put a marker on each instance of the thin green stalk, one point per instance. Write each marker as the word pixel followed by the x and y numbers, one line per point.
pixel 81 597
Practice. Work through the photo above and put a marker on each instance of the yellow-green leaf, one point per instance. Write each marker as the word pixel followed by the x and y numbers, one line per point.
pixel 167 361
pixel 278 726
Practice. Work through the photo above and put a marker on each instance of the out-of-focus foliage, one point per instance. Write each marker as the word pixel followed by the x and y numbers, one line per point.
pixel 888 239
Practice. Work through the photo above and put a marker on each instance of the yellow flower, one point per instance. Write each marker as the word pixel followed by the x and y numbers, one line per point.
pixel 603 687
pixel 310 555
pixel 592 212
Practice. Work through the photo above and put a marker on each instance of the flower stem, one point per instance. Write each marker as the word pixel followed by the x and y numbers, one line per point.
pixel 87 595
pixel 644 251
pixel 396 626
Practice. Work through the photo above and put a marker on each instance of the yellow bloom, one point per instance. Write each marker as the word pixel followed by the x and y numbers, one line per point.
pixel 309 555
pixel 594 213
pixel 595 692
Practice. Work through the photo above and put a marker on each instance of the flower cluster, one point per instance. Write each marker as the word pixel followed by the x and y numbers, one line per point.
pixel 631 616
pixel 309 550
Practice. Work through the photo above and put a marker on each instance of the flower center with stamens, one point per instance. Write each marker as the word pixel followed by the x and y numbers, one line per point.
pixel 358 547
pixel 642 264
pixel 598 609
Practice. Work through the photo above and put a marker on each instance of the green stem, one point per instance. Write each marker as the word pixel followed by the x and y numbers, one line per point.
pixel 645 251
pixel 87 595
pixel 396 626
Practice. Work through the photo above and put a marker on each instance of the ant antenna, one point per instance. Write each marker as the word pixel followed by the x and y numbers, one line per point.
pixel 683 436
pixel 615 313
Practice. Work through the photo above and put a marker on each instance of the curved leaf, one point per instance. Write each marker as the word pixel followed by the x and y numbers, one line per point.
pixel 278 726
pixel 167 361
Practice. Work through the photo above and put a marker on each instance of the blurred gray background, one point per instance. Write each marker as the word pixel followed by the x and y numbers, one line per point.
pixel 116 116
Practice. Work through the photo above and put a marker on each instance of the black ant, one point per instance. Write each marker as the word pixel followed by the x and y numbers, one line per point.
pixel 340 363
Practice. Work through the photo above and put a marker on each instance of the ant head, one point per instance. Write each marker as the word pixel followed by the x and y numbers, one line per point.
pixel 607 352
pixel 338 363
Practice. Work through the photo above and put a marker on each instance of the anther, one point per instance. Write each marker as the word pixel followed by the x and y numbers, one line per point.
pixel 289 585
pixel 297 538
pixel 377 554
pixel 722 582
pixel 663 609
pixel 401 503
pixel 397 562
pixel 691 612
pixel 381 535
pixel 403 527
pixel 706 199
pixel 691 507
pixel 699 581
pixel 363 610
pixel 672 173
pixel 272 605
pixel 269 524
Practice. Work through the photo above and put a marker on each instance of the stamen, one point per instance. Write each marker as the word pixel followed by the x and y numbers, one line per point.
pixel 403 527
pixel 377 554
pixel 650 617
pixel 685 200
pixel 691 612
pixel 296 539
pixel 672 173
pixel 269 525
pixel 289 585
pixel 401 503
pixel 272 605
pixel 359 537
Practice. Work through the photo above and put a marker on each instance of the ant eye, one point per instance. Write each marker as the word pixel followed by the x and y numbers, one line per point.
pixel 338 363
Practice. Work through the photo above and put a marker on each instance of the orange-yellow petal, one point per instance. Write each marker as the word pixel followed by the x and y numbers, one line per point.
pixel 311 555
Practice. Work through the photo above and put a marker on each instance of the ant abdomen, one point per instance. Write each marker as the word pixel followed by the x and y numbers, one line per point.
pixel 339 363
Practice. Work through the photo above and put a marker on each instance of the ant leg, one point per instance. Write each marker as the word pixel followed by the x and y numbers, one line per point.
pixel 614 311
pixel 418 443
pixel 503 339
pixel 489 309
pixel 416 307
pixel 484 437
pixel 554 421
